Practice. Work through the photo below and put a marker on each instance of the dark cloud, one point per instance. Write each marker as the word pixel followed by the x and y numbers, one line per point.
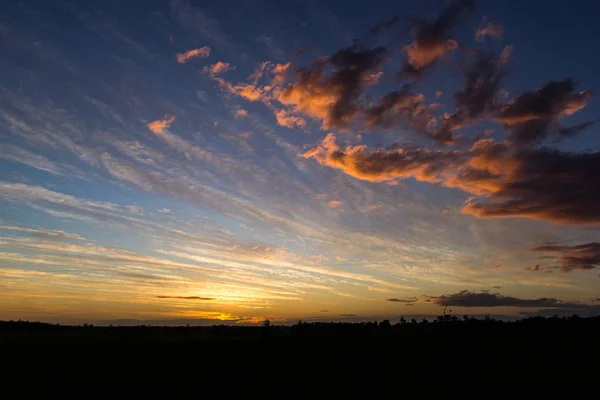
pixel 140 276
pixel 402 106
pixel 324 310
pixel 573 130
pixel 432 38
pixel 579 257
pixel 348 315
pixel 329 88
pixel 466 298
pixel 481 93
pixel 402 300
pixel 548 185
pixel 535 268
pixel 186 297
pixel 548 247
pixel 530 116
pixel 383 25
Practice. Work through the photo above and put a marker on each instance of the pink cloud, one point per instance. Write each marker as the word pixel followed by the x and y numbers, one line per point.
pixel 201 52
pixel 160 125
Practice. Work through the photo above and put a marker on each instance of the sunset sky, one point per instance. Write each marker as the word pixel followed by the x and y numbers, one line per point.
pixel 232 161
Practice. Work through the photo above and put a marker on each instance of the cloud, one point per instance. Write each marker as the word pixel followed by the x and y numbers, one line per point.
pixel 466 298
pixel 66 206
pixel 573 130
pixel 324 310
pixel 340 258
pixel 347 315
pixel 545 184
pixel 531 116
pixel 383 165
pixel 535 268
pixel 535 183
pixel 432 39
pixel 186 297
pixel 218 68
pixel 287 120
pixel 159 126
pixel 33 160
pixel 241 114
pixel 195 20
pixel 481 95
pixel 488 28
pixel 328 89
pixel 403 106
pixel 578 257
pixel 394 300
pixel 44 233
pixel 275 51
pixel 201 52
pixel 335 204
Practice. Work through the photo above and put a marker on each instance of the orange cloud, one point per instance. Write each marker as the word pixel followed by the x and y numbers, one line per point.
pixel 285 119
pixel 340 258
pixel 160 125
pixel 534 184
pixel 218 68
pixel 335 204
pixel 425 52
pixel 201 52
pixel 326 91
pixel 248 92
pixel 186 298
pixel 431 38
pixel 241 114
pixel 386 165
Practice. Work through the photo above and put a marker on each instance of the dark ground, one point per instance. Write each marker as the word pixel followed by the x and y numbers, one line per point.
pixel 551 358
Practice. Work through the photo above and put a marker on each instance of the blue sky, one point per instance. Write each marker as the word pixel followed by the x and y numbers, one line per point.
pixel 138 186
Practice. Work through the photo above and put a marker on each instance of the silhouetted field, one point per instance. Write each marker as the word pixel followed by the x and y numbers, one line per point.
pixel 448 357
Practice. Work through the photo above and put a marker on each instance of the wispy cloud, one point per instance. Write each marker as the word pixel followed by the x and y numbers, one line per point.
pixel 218 68
pixel 43 233
pixel 241 114
pixel 159 126
pixel 186 298
pixel 489 28
pixel 201 52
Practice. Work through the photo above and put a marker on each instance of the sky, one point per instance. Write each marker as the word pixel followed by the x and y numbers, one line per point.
pixel 236 161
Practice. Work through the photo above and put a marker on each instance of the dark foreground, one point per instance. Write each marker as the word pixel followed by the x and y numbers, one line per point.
pixel 553 357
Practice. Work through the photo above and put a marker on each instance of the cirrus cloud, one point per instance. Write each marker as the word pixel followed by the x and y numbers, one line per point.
pixel 201 52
